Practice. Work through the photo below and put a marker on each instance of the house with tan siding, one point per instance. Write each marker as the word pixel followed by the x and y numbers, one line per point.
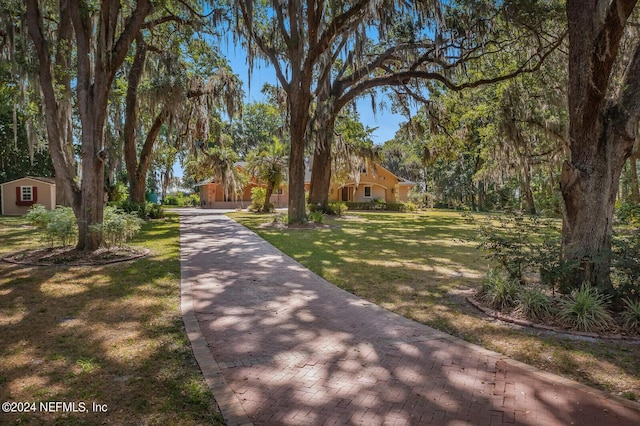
pixel 374 183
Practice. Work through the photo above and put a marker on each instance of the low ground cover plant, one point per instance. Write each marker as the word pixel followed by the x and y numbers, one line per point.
pixel 586 309
pixel 527 250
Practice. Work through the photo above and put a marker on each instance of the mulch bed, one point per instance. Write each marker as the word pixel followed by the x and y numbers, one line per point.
pixel 69 256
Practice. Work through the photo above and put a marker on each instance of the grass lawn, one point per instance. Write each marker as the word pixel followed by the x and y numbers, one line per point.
pixel 423 266
pixel 111 335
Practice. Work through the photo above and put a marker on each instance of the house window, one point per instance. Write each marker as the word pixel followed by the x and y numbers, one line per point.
pixel 278 191
pixel 367 191
pixel 26 193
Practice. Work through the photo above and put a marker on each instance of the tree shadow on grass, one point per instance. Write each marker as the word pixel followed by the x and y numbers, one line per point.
pixel 109 335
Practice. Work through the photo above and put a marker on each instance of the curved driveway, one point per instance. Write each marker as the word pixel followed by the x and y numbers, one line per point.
pixel 279 345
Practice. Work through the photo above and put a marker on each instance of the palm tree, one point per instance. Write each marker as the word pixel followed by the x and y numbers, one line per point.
pixel 268 165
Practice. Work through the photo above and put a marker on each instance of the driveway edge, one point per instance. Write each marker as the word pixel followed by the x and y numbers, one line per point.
pixel 227 401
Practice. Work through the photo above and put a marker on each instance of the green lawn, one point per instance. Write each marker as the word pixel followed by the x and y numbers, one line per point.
pixel 112 335
pixel 423 266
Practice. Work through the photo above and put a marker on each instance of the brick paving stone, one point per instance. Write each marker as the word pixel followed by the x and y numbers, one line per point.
pixel 284 347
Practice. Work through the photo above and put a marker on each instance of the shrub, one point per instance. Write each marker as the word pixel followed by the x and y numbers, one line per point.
pixel 625 262
pixel 377 204
pixel 194 200
pixel 316 217
pixel 499 290
pixel 631 315
pixel 171 200
pixel 585 309
pixel 521 245
pixel 117 227
pixel 353 205
pixel 258 200
pixel 118 192
pixel 281 218
pixel 338 208
pixel 38 216
pixel 143 210
pixel 181 200
pixel 533 304
pixel 396 207
pixel 62 226
pixel 410 207
pixel 628 212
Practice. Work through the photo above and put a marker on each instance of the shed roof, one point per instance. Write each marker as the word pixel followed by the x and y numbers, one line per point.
pixel 48 180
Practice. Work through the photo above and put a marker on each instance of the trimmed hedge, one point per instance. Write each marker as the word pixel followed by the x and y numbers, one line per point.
pixel 377 205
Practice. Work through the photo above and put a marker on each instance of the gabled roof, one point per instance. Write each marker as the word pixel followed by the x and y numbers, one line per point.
pixel 205 182
pixel 50 181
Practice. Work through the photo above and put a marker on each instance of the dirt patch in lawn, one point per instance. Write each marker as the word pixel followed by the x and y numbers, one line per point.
pixel 69 256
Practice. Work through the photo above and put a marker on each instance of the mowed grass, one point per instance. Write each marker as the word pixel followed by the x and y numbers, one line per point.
pixel 111 335
pixel 423 266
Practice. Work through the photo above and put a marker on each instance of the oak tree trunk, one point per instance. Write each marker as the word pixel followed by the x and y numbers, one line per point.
pixel 321 167
pixel 602 131
pixel 299 118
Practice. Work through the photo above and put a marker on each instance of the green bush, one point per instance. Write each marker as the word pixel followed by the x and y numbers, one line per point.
pixel 534 304
pixel 118 192
pixel 625 262
pixel 181 200
pixel 38 216
pixel 628 212
pixel 259 200
pixel 499 290
pixel 117 227
pixel 410 207
pixel 631 314
pixel 59 225
pixel 63 225
pixel 352 205
pixel 338 208
pixel 522 245
pixel 171 200
pixel 143 210
pixel 585 309
pixel 378 204
pixel 396 207
pixel 194 200
pixel 316 217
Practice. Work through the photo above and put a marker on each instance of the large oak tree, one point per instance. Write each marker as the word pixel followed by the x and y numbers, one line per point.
pixel 79 52
pixel 603 123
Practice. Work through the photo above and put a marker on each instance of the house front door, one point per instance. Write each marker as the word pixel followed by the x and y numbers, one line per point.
pixel 345 193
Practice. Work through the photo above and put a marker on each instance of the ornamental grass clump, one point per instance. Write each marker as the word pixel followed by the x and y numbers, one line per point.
pixel 534 304
pixel 585 309
pixel 631 315
pixel 499 290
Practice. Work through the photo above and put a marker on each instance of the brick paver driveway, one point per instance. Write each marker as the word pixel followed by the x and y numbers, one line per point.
pixel 279 345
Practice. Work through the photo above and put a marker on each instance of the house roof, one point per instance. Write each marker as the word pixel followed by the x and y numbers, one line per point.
pixel 205 182
pixel 47 180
